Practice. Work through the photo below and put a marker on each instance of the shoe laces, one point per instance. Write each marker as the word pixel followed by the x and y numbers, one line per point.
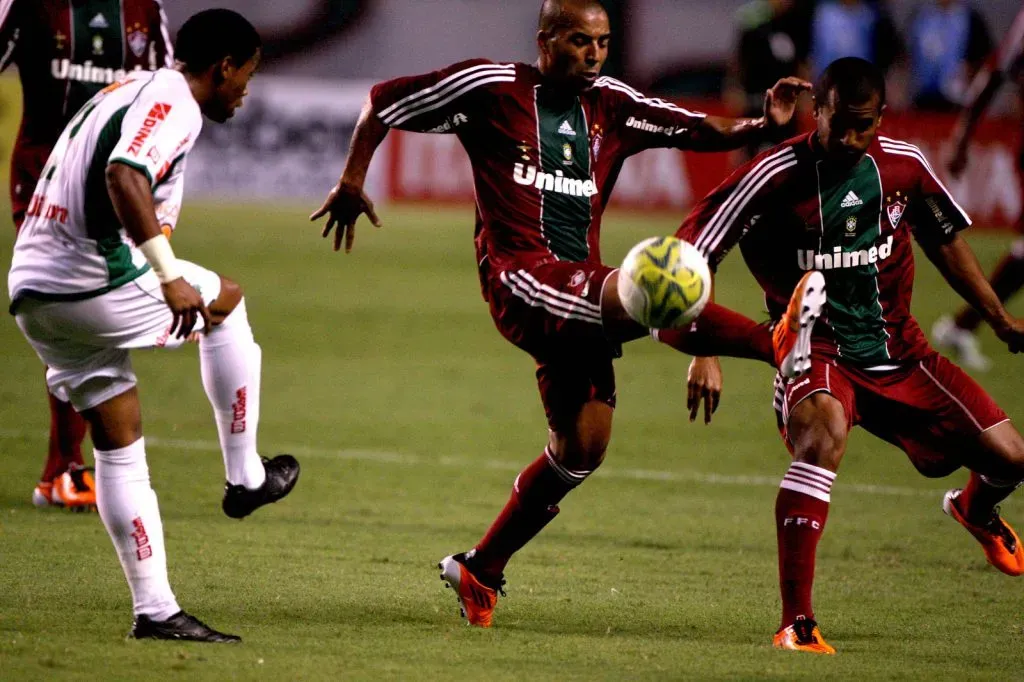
pixel 496 582
pixel 803 628
pixel 996 527
pixel 77 474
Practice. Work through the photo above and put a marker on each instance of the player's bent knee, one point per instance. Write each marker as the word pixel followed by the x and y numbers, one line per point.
pixel 618 325
pixel 227 300
pixel 818 432
pixel 116 423
pixel 582 446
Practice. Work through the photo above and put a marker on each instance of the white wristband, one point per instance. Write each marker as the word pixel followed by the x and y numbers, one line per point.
pixel 161 258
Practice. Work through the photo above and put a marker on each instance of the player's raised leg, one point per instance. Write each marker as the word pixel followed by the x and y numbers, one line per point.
pixel 1001 458
pixel 786 346
pixel 230 362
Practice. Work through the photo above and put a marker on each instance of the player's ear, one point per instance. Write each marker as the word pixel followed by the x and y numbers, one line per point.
pixel 542 41
pixel 225 70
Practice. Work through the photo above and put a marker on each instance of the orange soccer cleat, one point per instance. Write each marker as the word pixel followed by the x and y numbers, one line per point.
pixel 792 334
pixel 802 635
pixel 999 541
pixel 42 495
pixel 477 600
pixel 75 489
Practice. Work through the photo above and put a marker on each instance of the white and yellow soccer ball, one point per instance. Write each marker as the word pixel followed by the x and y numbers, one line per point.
pixel 664 282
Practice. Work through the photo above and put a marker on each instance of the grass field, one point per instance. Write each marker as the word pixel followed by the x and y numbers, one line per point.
pixel 410 415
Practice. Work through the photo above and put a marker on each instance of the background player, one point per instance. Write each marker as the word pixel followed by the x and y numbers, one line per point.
pixel 93 276
pixel 65 53
pixel 956 334
pixel 546 143
pixel 843 201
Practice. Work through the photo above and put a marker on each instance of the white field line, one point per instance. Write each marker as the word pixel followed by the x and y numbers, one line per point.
pixel 410 460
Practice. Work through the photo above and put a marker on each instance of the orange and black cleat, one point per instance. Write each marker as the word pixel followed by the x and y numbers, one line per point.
pixel 75 489
pixel 802 635
pixel 476 599
pixel 792 334
pixel 999 541
pixel 42 494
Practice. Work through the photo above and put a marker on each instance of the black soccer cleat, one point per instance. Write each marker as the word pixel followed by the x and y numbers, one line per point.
pixel 181 627
pixel 282 474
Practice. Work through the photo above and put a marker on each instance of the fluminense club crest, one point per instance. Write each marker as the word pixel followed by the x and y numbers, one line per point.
pixel 138 39
pixel 895 208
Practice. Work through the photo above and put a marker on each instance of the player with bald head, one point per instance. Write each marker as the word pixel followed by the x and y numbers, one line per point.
pixel 546 142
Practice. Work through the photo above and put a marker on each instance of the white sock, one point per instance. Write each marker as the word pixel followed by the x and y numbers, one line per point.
pixel 128 507
pixel 230 361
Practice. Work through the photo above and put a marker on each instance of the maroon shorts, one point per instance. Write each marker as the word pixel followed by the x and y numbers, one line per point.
pixel 553 312
pixel 931 409
pixel 26 166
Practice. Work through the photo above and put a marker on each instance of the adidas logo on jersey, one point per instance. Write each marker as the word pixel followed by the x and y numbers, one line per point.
pixel 99 21
pixel 566 129
pixel 809 259
pixel 851 200
pixel 556 182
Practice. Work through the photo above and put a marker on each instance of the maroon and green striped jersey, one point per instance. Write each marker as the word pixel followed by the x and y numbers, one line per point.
pixel 68 50
pixel 791 211
pixel 544 162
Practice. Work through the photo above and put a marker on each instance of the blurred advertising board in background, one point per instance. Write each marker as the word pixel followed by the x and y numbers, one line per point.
pixel 289 142
pixel 290 138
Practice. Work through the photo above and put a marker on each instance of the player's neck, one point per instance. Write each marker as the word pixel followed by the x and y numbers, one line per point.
pixel 554 89
pixel 201 88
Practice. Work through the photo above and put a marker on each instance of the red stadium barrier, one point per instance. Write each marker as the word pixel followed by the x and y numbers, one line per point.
pixel 434 168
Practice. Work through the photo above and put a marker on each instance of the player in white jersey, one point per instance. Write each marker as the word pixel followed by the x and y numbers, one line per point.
pixel 93 276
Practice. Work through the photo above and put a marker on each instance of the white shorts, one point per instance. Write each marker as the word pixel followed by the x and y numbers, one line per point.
pixel 85 344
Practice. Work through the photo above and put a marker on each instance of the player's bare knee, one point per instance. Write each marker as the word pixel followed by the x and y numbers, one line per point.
pixel 1007 445
pixel 618 325
pixel 227 300
pixel 582 446
pixel 1013 456
pixel 116 423
pixel 817 429
pixel 579 451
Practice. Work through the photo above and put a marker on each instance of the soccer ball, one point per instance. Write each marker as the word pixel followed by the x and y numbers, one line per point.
pixel 664 282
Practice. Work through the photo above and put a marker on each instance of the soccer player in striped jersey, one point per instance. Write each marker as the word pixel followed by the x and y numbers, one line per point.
pixel 841 203
pixel 546 143
pixel 65 53
pixel 956 334
pixel 93 276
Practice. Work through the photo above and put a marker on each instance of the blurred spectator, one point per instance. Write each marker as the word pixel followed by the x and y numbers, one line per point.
pixel 947 42
pixel 773 42
pixel 853 28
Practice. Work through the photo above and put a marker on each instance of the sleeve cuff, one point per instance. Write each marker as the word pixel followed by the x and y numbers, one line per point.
pixel 133 164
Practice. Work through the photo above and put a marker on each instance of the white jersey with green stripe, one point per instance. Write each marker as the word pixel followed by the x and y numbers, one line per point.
pixel 72 245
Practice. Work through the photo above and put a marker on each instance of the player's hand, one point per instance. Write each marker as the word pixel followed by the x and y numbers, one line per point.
pixel 958 162
pixel 186 306
pixel 1012 334
pixel 703 382
pixel 780 101
pixel 345 203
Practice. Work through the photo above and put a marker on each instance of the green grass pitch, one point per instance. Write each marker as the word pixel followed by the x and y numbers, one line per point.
pixel 411 415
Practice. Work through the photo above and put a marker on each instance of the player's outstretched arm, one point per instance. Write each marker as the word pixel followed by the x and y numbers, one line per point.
pixel 958 264
pixel 347 200
pixel 132 197
pixel 721 134
pixel 983 89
